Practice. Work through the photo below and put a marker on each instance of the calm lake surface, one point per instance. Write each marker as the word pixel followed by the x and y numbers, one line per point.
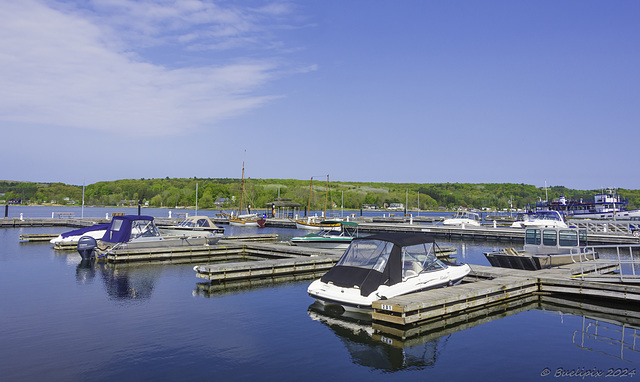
pixel 63 321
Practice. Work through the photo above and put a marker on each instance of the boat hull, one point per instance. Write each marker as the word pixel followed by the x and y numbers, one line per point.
pixel 536 262
pixel 247 222
pixel 351 299
pixel 316 226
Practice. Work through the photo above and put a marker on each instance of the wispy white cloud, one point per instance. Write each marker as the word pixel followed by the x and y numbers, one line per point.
pixel 80 66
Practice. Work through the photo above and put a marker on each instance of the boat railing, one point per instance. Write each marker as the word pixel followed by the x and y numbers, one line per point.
pixel 621 264
pixel 626 227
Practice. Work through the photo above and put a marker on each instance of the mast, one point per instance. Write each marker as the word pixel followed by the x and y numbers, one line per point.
pixel 82 198
pixel 242 185
pixel 309 202
pixel 326 194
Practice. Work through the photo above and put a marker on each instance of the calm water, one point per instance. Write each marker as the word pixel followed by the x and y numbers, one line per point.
pixel 61 320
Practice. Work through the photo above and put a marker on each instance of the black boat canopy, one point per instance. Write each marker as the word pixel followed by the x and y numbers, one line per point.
pixel 382 259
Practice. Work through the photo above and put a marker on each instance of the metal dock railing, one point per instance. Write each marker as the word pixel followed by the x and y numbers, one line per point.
pixel 625 258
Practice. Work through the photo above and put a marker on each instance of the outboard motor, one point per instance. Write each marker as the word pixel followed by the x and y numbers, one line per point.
pixel 86 247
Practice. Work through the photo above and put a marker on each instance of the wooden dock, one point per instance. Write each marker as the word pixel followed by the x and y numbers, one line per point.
pixel 239 248
pixel 286 260
pixel 37 237
pixel 495 286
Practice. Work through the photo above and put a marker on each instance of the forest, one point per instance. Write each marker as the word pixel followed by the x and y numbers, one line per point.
pixel 225 193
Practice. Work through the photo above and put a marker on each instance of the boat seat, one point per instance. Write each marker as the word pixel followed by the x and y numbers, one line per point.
pixel 410 273
pixel 511 251
pixel 415 270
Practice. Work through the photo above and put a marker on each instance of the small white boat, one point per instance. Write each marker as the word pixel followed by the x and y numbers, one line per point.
pixel 328 238
pixel 138 232
pixel 545 248
pixel 463 218
pixel 383 266
pixel 544 219
pixel 193 224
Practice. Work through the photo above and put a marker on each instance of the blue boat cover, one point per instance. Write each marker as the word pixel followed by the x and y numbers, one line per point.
pixel 81 231
pixel 120 229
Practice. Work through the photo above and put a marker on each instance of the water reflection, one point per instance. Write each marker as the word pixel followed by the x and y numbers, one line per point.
pixel 121 282
pixel 616 340
pixel 85 271
pixel 370 348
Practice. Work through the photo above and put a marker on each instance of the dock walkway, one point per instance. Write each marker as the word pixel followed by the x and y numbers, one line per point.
pixel 486 286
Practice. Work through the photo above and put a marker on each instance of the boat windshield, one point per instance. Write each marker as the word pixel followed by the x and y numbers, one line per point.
pixel 466 215
pixel 143 228
pixel 192 223
pixel 547 215
pixel 367 254
pixel 419 258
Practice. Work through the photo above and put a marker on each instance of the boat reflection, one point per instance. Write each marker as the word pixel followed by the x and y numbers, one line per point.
pixel 373 349
pixel 85 271
pixel 121 282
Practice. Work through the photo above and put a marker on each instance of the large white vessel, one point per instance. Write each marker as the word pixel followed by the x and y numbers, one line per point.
pixel 605 205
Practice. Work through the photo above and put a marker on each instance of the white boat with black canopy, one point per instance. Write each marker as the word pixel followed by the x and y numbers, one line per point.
pixel 382 266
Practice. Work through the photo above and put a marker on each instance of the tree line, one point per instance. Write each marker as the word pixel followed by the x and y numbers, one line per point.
pixel 224 193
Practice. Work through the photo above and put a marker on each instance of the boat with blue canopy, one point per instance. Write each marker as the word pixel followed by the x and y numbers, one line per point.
pixel 138 232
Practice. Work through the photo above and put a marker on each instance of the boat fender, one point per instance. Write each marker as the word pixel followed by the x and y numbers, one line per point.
pixel 86 247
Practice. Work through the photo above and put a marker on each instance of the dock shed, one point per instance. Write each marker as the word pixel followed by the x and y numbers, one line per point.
pixel 282 208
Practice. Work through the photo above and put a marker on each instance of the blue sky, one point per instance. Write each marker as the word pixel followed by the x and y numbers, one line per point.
pixel 385 91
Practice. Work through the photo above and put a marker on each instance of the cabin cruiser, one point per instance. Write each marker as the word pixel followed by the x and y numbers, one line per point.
pixel 544 219
pixel 463 218
pixel 328 238
pixel 604 205
pixel 191 223
pixel 545 248
pixel 382 266
pixel 71 237
pixel 138 232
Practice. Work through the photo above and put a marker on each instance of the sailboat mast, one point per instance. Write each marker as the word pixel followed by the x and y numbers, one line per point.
pixel 309 203
pixel 325 198
pixel 241 185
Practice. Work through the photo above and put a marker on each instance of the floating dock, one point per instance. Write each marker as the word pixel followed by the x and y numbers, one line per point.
pixel 305 260
pixel 238 248
pixel 496 286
